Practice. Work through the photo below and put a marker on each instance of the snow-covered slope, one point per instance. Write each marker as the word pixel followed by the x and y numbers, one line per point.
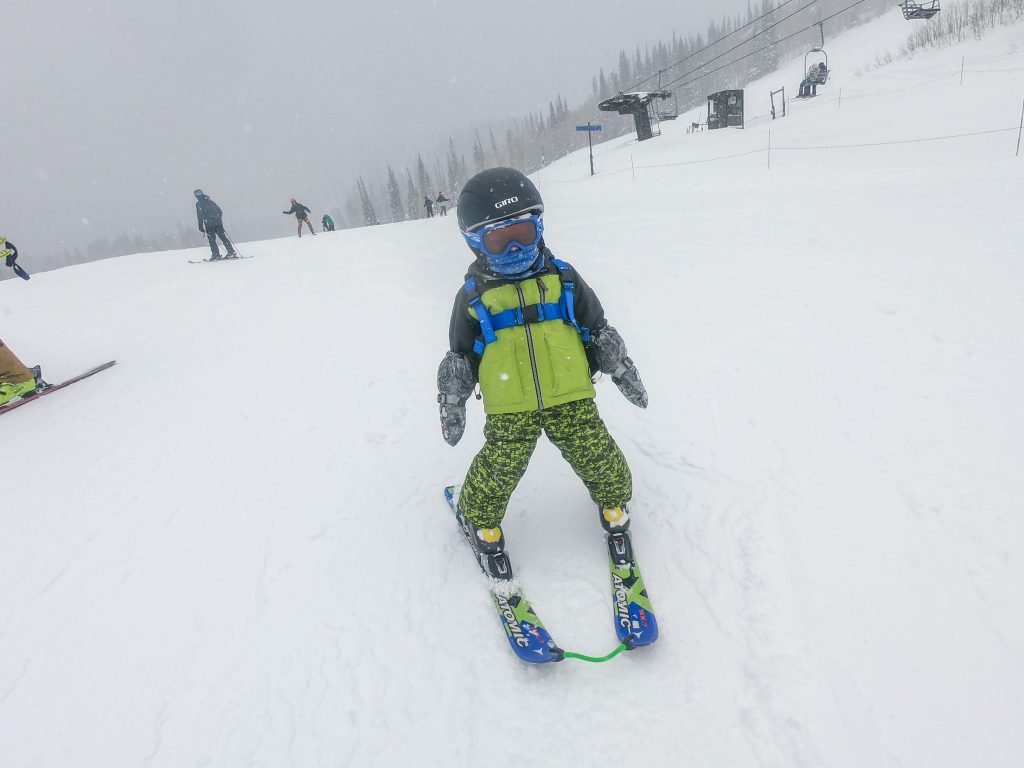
pixel 232 548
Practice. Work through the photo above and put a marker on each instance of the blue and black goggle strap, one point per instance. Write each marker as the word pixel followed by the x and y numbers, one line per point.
pixel 487 334
pixel 568 299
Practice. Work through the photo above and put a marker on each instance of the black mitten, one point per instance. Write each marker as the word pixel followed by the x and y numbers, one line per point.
pixel 453 420
pixel 610 352
pixel 627 379
pixel 455 381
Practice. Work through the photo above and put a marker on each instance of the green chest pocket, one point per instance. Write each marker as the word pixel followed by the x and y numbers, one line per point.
pixel 506 380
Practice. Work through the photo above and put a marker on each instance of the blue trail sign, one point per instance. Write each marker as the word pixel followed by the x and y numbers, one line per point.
pixel 589 130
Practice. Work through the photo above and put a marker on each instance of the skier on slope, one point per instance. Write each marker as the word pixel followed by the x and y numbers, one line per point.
pixel 327 222
pixel 301 213
pixel 211 223
pixel 9 255
pixel 531 332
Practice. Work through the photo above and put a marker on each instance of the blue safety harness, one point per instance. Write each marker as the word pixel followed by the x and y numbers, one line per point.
pixel 563 310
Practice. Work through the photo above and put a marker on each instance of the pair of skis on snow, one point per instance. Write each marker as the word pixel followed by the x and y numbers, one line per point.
pixel 222 258
pixel 47 389
pixel 635 622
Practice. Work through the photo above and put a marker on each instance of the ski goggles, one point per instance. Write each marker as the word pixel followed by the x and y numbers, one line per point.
pixel 499 238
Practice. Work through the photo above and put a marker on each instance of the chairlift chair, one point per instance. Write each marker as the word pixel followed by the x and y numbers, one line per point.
pixel 817 73
pixel 669 113
pixel 918 11
pixel 663 112
pixel 816 69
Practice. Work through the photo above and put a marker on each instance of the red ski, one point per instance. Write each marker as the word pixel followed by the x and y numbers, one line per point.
pixel 46 389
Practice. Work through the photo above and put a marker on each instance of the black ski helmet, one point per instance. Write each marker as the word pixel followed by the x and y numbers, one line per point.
pixel 198 193
pixel 495 194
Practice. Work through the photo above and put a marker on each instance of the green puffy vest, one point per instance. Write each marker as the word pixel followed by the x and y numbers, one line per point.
pixel 534 365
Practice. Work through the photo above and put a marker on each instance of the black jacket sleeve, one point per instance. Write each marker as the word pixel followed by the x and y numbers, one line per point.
pixel 463 330
pixel 588 309
pixel 589 315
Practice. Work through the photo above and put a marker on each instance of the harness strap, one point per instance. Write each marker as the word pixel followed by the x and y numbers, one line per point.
pixel 534 313
pixel 564 310
pixel 568 299
pixel 482 316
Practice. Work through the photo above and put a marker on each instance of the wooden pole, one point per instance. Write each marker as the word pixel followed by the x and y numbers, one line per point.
pixel 962 60
pixel 1020 130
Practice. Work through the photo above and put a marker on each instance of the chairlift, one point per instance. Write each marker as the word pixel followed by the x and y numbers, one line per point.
pixel 919 11
pixel 662 111
pixel 669 113
pixel 815 68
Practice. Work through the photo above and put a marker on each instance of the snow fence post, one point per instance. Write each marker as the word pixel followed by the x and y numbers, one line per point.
pixel 1020 129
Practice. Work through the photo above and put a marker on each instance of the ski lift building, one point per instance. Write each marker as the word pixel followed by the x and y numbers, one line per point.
pixel 725 110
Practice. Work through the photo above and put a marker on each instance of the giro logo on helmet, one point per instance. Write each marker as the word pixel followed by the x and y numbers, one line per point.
pixel 506 201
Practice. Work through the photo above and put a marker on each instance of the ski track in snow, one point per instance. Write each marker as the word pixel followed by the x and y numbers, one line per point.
pixel 234 549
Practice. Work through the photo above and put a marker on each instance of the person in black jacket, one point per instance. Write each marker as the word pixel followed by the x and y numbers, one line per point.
pixel 301 213
pixel 9 256
pixel 211 224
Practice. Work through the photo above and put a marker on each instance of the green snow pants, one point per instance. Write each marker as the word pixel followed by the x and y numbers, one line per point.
pixel 574 428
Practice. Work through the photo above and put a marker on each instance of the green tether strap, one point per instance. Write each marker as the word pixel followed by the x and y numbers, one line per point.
pixel 595 659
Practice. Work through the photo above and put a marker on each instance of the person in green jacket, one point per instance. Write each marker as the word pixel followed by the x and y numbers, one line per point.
pixel 328 223
pixel 531 332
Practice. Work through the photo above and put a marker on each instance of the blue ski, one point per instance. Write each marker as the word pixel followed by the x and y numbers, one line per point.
pixel 527 636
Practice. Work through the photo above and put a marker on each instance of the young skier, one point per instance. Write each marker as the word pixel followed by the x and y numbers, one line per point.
pixel 16 380
pixel 429 205
pixel 328 223
pixel 531 332
pixel 301 214
pixel 211 224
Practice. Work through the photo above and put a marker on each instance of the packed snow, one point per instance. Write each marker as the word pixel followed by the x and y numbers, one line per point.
pixel 232 548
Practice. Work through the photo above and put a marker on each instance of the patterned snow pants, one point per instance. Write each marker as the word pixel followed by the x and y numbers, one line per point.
pixel 576 429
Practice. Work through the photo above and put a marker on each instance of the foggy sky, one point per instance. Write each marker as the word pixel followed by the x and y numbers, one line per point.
pixel 114 111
